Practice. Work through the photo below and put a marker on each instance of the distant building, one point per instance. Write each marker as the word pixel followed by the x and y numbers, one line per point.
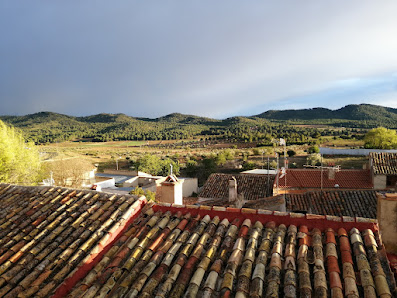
pixel 383 169
pixel 249 186
pixel 151 183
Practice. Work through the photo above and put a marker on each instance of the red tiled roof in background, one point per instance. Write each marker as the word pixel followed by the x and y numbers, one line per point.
pixel 48 232
pixel 311 178
pixel 253 186
pixel 204 251
pixel 361 203
pixel 384 163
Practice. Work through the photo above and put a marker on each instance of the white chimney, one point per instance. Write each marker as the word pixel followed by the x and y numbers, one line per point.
pixel 232 189
pixel 331 174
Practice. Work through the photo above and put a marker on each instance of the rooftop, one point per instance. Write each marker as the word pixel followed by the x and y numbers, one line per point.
pixel 362 203
pixel 47 232
pixel 56 242
pixel 252 186
pixel 384 163
pixel 175 251
pixel 311 178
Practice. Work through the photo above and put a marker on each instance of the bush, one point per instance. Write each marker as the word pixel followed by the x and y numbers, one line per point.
pixel 314 159
pixel 313 149
pixel 248 166
pixel 291 153
pixel 150 196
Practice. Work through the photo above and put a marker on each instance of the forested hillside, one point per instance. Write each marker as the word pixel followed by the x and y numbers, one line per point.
pixel 363 115
pixel 47 127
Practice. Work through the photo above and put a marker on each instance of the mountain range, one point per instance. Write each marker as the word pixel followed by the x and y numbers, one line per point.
pixel 49 126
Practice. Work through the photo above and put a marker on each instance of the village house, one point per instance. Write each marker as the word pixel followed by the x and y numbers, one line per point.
pixel 383 169
pixel 224 188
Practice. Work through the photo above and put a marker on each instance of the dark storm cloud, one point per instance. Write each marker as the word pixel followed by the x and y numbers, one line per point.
pixel 213 58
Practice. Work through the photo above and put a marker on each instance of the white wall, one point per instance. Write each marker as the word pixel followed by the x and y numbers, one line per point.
pixel 387 218
pixel 363 152
pixel 106 183
pixel 133 182
pixel 189 186
pixel 379 181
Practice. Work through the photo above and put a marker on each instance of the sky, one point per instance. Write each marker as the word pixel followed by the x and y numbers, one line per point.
pixel 208 58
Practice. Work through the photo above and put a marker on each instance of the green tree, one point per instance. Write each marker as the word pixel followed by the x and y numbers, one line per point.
pixel 313 149
pixel 19 161
pixel 381 138
pixel 314 159
pixel 154 165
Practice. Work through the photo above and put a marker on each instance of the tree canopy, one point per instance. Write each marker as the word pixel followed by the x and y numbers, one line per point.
pixel 381 138
pixel 19 161
pixel 154 165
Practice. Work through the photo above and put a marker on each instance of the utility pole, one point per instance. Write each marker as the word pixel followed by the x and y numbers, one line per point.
pixel 321 174
pixel 117 162
pixel 268 168
pixel 277 171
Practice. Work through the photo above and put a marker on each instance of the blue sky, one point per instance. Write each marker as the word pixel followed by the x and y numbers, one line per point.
pixel 208 58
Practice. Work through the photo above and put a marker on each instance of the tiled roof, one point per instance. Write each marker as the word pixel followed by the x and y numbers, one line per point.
pixel 47 232
pixel 362 203
pixel 175 251
pixel 311 178
pixel 265 203
pixel 252 186
pixel 384 163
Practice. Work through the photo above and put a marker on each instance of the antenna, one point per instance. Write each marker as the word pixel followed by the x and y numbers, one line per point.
pixel 171 168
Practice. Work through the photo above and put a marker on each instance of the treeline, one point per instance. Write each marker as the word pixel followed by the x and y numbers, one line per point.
pixel 47 127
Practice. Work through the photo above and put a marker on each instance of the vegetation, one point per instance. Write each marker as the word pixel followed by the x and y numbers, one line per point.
pixel 156 166
pixel 381 138
pixel 363 116
pixel 313 149
pixel 291 153
pixel 150 196
pixel 19 161
pixel 314 159
pixel 70 172
pixel 297 126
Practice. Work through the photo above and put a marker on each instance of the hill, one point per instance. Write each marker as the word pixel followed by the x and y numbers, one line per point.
pixel 46 127
pixel 373 114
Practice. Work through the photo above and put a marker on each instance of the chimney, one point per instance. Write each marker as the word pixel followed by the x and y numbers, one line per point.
pixel 171 191
pixel 387 218
pixel 232 189
pixel 331 174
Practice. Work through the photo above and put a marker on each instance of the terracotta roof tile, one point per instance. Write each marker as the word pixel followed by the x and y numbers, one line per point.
pixel 168 251
pixel 206 256
pixel 46 232
pixel 384 163
pixel 311 178
pixel 252 186
pixel 360 203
